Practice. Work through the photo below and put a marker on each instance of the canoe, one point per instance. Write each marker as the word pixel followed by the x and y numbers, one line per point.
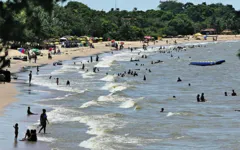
pixel 207 63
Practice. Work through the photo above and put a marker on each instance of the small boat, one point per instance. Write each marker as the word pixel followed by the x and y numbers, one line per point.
pixel 207 63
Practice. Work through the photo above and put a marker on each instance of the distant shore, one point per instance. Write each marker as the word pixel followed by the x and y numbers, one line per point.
pixel 8 91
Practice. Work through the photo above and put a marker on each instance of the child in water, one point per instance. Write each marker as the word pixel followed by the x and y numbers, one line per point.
pixel 16 130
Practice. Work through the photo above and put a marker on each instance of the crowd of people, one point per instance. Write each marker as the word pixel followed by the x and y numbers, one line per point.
pixel 31 135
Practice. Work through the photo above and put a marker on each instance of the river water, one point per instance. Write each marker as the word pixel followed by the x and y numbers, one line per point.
pixel 107 112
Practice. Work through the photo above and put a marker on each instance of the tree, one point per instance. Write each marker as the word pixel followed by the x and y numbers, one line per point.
pixel 13 16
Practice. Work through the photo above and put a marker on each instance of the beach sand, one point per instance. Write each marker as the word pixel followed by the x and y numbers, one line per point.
pixel 8 93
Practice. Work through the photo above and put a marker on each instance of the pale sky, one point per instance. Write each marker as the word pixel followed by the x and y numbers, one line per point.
pixel 144 4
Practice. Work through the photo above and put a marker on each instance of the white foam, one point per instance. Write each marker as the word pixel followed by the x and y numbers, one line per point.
pixel 107 141
pixel 172 114
pixel 88 75
pixel 59 115
pixel 128 104
pixel 102 124
pixel 114 87
pixel 111 98
pixel 90 103
pixel 109 78
pixel 106 62
pixel 46 139
pixel 65 68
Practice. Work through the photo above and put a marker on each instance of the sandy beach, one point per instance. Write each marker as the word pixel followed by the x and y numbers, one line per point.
pixel 8 91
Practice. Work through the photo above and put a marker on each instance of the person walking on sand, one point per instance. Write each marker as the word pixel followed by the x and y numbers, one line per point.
pixel 16 130
pixel 30 77
pixel 43 121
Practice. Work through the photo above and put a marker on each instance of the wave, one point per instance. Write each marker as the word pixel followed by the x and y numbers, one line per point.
pixel 128 104
pixel 46 139
pixel 181 114
pixel 65 68
pixel 90 103
pixel 102 124
pixel 110 142
pixel 88 75
pixel 111 98
pixel 57 98
pixel 52 85
pixel 106 62
pixel 109 78
pixel 115 87
pixel 60 115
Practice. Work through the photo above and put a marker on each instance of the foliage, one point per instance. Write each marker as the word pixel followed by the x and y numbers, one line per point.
pixel 24 21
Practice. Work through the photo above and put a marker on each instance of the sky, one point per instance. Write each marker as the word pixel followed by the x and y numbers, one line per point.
pixel 145 4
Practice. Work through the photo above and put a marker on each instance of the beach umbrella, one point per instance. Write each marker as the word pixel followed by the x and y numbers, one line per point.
pixel 122 43
pixel 113 41
pixel 22 50
pixel 198 34
pixel 147 37
pixel 35 50
pixel 100 38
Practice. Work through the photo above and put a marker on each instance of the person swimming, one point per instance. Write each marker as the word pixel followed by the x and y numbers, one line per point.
pixel 162 110
pixel 189 84
pixel 234 93
pixel 29 112
pixel 179 80
pixel 144 78
pixel 225 93
pixel 68 83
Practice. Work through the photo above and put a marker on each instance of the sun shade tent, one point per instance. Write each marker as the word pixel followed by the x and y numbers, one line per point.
pixel 148 37
pixel 22 50
pixel 197 34
pixel 35 50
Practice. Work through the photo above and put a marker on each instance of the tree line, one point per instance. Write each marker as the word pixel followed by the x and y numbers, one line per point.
pixel 34 22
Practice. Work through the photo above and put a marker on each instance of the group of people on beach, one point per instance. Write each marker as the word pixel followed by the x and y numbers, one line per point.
pixel 31 135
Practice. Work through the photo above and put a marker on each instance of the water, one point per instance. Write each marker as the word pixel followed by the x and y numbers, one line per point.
pixel 102 111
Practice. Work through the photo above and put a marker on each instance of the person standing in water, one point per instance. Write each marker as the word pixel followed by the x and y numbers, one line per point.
pixel 83 67
pixel 16 130
pixel 37 69
pixel 144 78
pixel 225 93
pixel 202 98
pixel 97 58
pixel 43 121
pixel 57 81
pixel 198 98
pixel 30 77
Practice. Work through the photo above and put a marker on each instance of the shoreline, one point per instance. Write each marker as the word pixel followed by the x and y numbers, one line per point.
pixel 10 92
